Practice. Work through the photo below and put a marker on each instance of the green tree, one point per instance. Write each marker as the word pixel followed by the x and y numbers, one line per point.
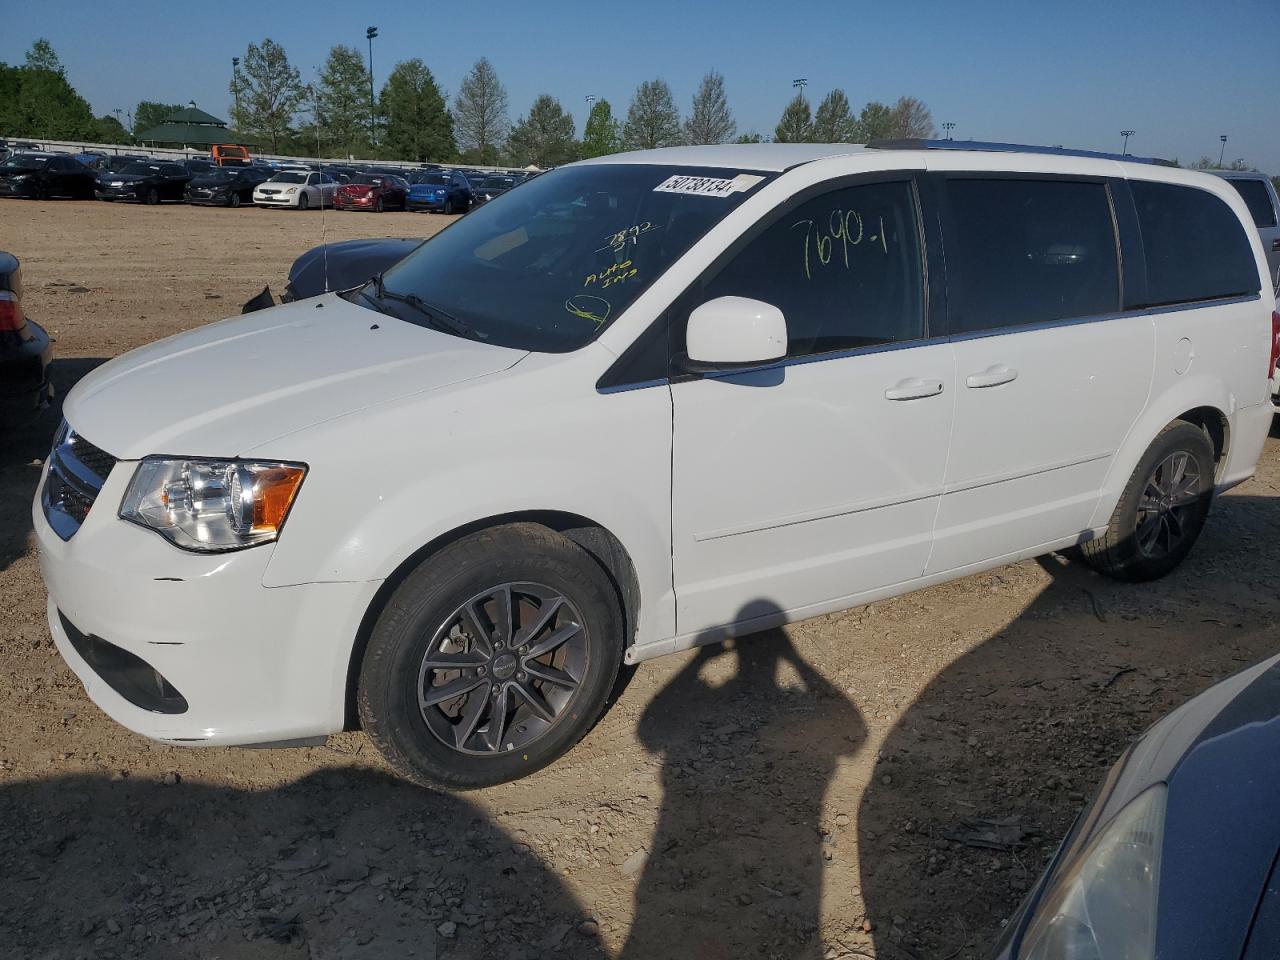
pixel 912 119
pixel 480 114
pixel 751 137
pixel 544 137
pixel 149 113
pixel 37 102
pixel 342 102
pixel 269 92
pixel 108 129
pixel 652 119
pixel 834 122
pixel 602 135
pixel 875 122
pixel 418 125
pixel 710 121
pixel 796 125
pixel 42 57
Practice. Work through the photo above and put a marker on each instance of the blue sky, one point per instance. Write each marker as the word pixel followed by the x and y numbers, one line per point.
pixel 1179 73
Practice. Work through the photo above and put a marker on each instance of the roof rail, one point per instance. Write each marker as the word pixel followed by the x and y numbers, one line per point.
pixel 913 144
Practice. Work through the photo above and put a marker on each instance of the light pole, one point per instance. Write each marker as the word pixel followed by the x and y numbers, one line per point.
pixel 800 83
pixel 235 84
pixel 369 34
pixel 1126 134
pixel 948 127
pixel 1223 152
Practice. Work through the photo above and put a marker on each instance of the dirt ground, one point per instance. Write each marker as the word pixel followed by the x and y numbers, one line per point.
pixel 789 796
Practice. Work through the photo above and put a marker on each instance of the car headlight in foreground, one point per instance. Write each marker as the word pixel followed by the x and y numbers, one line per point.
pixel 211 506
pixel 1102 906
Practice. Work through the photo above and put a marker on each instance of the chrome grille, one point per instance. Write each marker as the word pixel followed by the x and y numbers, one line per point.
pixel 77 471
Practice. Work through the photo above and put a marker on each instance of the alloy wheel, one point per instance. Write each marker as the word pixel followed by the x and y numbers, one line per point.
pixel 1169 501
pixel 502 669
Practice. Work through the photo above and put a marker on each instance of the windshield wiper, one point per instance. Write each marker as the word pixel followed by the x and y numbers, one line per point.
pixel 431 313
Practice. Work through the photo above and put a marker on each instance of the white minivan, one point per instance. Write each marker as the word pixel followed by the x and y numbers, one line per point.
pixel 641 403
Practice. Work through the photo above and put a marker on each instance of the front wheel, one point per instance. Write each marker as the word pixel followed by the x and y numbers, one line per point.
pixel 303 202
pixel 448 206
pixel 153 197
pixel 235 200
pixel 1162 510
pixel 377 207
pixel 492 659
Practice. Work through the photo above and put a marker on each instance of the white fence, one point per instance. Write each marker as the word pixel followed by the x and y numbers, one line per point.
pixel 114 149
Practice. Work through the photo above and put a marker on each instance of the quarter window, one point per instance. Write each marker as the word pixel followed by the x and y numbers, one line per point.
pixel 1258 199
pixel 1029 251
pixel 844 268
pixel 1196 247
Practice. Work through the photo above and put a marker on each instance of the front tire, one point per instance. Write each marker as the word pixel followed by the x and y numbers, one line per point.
pixel 448 207
pixel 153 197
pixel 377 207
pixel 492 659
pixel 1162 510
pixel 235 200
pixel 303 202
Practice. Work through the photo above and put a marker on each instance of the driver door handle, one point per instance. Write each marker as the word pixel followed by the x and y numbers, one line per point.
pixel 992 377
pixel 913 389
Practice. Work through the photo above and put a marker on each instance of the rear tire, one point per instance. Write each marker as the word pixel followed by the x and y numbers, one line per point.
pixel 1162 510
pixel 452 610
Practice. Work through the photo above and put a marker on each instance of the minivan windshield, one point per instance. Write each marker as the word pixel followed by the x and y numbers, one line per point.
pixel 548 266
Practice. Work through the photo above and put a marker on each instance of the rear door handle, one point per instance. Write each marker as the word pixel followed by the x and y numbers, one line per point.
pixel 913 389
pixel 992 377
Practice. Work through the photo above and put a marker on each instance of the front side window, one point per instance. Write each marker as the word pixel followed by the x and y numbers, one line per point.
pixel 549 266
pixel 1196 247
pixel 844 268
pixel 1029 251
pixel 1258 199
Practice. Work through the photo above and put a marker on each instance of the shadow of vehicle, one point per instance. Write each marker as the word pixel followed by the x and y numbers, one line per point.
pixel 750 735
pixel 347 864
pixel 947 848
pixel 23 447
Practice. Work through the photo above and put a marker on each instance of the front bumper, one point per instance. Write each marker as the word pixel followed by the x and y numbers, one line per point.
pixel 425 203
pixel 276 199
pixel 253 664
pixel 117 193
pixel 208 199
pixel 352 203
pixel 21 188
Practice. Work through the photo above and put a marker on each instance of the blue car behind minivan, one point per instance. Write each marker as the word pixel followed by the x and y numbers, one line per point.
pixel 448 192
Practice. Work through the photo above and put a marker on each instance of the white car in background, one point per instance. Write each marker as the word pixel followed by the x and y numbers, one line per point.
pixel 296 188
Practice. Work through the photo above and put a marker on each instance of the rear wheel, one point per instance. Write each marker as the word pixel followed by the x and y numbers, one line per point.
pixel 492 659
pixel 1162 510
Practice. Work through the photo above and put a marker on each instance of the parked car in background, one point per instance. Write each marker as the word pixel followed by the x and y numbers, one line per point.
pixel 671 311
pixel 372 191
pixel 483 191
pixel 1176 855
pixel 448 192
pixel 299 189
pixel 25 350
pixel 342 174
pixel 226 186
pixel 199 166
pixel 336 266
pixel 149 182
pixel 42 176
pixel 118 162
pixel 230 155
pixel 1259 194
pixel 91 159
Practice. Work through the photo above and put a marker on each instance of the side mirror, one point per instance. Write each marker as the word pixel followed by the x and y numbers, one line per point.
pixel 733 333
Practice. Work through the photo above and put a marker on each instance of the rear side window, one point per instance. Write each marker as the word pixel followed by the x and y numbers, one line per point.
pixel 1196 247
pixel 844 268
pixel 1029 251
pixel 1258 200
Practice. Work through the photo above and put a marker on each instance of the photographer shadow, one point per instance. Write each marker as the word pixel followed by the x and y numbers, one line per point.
pixel 750 735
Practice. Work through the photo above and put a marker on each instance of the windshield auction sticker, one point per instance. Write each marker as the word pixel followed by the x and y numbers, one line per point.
pixel 707 186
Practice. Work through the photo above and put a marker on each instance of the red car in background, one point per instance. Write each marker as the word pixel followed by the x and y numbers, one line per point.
pixel 372 191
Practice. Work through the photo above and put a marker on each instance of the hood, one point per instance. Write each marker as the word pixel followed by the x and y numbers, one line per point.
pixel 214 183
pixel 428 187
pixel 126 177
pixel 357 189
pixel 344 265
pixel 226 389
pixel 10 173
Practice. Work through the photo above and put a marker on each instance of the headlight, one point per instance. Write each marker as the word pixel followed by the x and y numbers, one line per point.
pixel 212 505
pixel 1103 905
pixel 292 190
pixel 116 183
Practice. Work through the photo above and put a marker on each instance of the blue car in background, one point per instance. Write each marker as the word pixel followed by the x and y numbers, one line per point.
pixel 443 190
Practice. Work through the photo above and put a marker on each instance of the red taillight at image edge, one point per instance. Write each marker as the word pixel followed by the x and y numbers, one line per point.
pixel 11 316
